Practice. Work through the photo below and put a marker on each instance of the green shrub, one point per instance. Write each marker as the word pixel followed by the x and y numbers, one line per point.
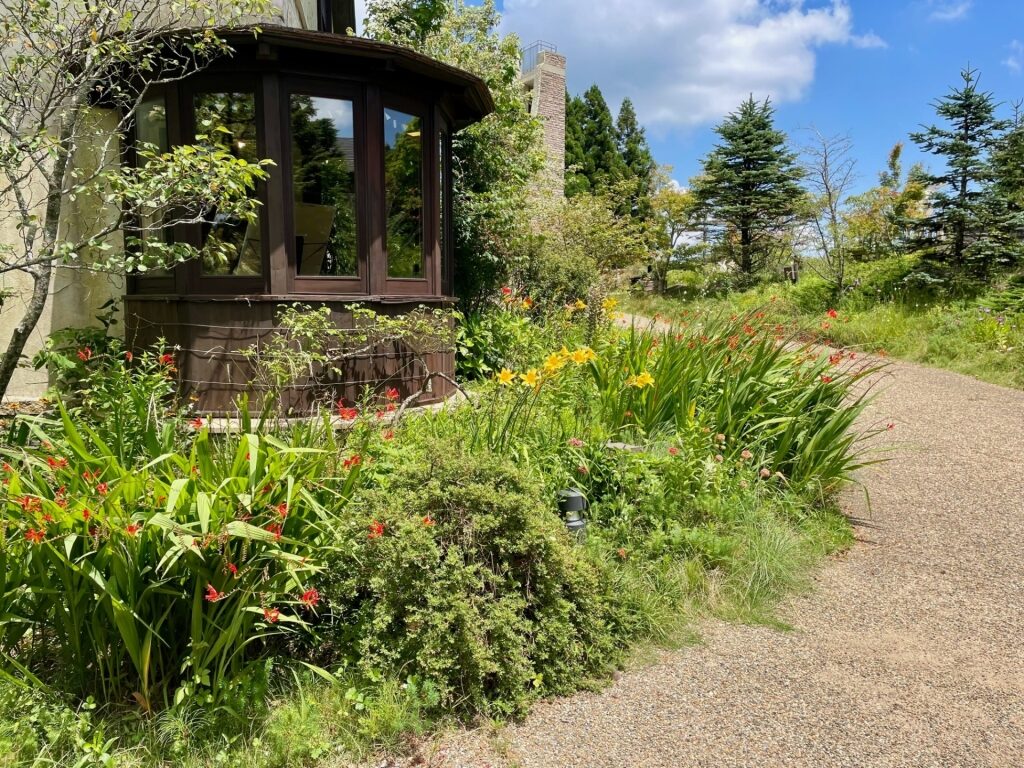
pixel 460 573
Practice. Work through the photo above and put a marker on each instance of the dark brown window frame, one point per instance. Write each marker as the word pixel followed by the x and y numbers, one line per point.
pixel 272 83
pixel 330 89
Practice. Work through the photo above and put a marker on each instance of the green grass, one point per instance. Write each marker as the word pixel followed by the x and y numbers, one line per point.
pixel 957 335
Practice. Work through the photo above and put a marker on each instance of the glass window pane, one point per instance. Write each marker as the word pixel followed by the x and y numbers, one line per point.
pixel 229 120
pixel 151 136
pixel 324 183
pixel 403 182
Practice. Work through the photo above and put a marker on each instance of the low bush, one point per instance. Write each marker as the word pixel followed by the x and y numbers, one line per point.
pixel 460 574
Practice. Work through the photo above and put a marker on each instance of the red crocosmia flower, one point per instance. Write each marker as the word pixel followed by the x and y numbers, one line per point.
pixel 673 451
pixel 391 408
pixel 392 394
pixel 429 521
pixel 129 356
pixel 274 528
pixel 47 517
pixel 102 489
pixel 749 329
pixel 835 359
pixel 506 291
pixel 582 469
pixel 376 530
pixel 267 489
pixel 132 529
pixel 34 536
pixel 234 569
pixel 388 434
pixel 348 414
pixel 56 463
pixel 826 379
pixel 310 598
pixel 85 354
pixel 621 552
pixel 197 423
pixel 212 595
pixel 832 313
pixel 282 509
pixel 166 359
pixel 379 415
pixel 352 461
pixel 86 514
pixel 271 615
pixel 30 503
pixel 8 468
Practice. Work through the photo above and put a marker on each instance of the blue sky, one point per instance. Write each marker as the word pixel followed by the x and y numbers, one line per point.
pixel 866 68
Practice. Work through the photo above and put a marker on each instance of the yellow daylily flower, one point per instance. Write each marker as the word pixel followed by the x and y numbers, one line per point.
pixel 506 377
pixel 554 363
pixel 531 378
pixel 609 304
pixel 640 381
pixel 580 304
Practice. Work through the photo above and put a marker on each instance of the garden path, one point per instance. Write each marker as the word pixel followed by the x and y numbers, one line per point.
pixel 908 652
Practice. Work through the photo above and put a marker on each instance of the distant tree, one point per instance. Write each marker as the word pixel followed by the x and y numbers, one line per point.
pixel 955 232
pixel 639 163
pixel 749 188
pixel 829 170
pixel 576 180
pixel 675 210
pixel 881 221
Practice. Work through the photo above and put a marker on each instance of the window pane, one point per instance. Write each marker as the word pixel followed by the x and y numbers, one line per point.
pixel 151 136
pixel 403 182
pixel 324 182
pixel 229 121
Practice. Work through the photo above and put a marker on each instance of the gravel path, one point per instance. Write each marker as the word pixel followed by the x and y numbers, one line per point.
pixel 909 651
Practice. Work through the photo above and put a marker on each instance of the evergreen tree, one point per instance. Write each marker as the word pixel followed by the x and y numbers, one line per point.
pixel 749 186
pixel 602 163
pixel 576 180
pixel 956 231
pixel 638 160
pixel 1004 198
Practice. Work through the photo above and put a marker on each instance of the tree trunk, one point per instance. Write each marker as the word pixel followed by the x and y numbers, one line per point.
pixel 746 257
pixel 16 346
pixel 42 271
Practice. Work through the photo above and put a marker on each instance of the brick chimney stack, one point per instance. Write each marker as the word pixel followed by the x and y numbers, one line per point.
pixel 543 77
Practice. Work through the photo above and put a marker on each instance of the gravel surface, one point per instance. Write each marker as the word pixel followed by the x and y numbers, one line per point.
pixel 908 652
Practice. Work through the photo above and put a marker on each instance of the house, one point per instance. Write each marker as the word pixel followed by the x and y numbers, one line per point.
pixel 357 207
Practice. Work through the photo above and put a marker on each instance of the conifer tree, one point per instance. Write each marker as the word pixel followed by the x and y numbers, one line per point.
pixel 750 187
pixel 576 180
pixel 638 160
pixel 1004 197
pixel 956 232
pixel 602 165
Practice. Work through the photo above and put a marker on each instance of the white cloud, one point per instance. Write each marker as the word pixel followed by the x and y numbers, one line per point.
pixel 1015 61
pixel 949 10
pixel 688 62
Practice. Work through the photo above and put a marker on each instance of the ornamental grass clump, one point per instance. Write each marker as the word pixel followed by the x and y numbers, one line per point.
pixel 160 582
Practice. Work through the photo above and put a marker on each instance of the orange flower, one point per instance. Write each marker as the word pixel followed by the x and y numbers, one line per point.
pixel 429 522
pixel 34 536
pixel 271 615
pixel 353 461
pixel 392 394
pixel 348 414
pixel 85 354
pixel 212 595
pixel 832 313
pixel 826 379
pixel 282 509
pixel 132 528
pixel 310 598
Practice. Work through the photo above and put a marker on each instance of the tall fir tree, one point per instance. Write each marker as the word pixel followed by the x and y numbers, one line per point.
pixel 1004 197
pixel 957 231
pixel 638 160
pixel 576 180
pixel 602 163
pixel 750 186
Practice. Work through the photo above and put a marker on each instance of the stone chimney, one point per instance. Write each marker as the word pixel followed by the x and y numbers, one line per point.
pixel 543 77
